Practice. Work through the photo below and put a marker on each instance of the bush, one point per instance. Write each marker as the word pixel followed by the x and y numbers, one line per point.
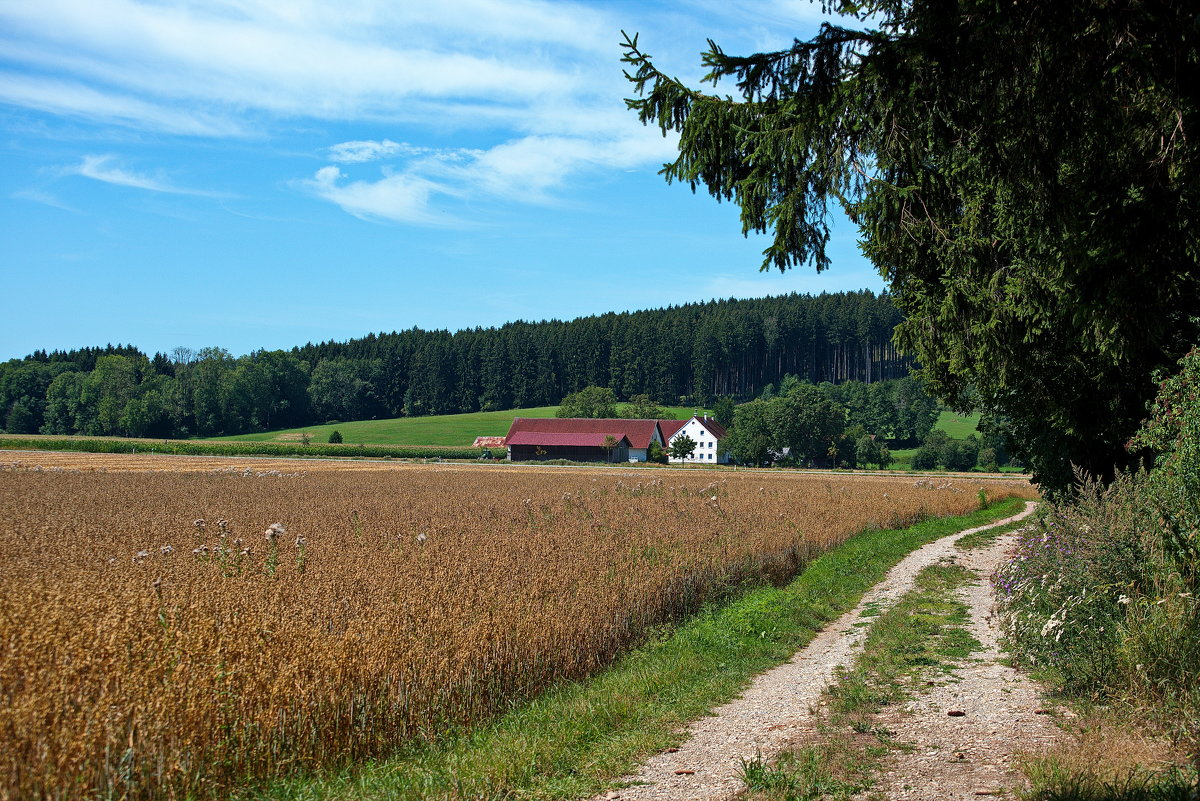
pixel 1104 589
pixel 1064 592
pixel 335 437
pixel 926 458
pixel 961 455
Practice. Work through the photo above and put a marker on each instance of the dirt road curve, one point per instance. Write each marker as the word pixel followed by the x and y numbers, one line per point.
pixel 774 710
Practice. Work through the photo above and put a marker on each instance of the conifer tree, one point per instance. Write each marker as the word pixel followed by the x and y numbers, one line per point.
pixel 1025 177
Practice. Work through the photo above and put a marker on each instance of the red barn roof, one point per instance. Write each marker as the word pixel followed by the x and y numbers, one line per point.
pixel 489 442
pixel 670 427
pixel 639 432
pixel 572 439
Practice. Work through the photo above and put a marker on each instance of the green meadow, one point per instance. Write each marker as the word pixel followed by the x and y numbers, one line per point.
pixel 447 430
pixel 958 426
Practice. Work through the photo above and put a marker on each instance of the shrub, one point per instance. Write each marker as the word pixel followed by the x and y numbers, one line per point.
pixel 335 437
pixel 1104 588
pixel 1063 594
pixel 926 458
pixel 961 455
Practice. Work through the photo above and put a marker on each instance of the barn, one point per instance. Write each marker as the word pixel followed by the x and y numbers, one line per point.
pixel 581 439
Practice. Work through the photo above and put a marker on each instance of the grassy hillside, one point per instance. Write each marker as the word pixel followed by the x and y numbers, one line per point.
pixel 448 430
pixel 958 426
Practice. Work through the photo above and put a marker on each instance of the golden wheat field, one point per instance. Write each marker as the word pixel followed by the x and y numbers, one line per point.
pixel 171 626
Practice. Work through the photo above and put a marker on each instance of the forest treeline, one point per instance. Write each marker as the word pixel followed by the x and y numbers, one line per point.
pixel 687 354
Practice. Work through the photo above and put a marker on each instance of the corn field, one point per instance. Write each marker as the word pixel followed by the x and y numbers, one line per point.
pixel 181 626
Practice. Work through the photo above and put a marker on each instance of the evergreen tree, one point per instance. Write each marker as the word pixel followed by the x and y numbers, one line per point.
pixel 1024 177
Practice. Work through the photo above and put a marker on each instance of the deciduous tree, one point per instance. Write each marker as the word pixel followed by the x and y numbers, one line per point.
pixel 682 447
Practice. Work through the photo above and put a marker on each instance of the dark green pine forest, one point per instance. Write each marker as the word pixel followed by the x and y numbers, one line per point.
pixel 688 354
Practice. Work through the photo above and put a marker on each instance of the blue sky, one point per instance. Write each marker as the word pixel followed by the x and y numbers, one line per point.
pixel 259 174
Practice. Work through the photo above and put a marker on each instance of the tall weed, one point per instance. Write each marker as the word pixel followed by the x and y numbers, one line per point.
pixel 1102 590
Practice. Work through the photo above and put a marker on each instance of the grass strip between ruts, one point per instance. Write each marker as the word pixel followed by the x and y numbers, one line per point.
pixel 920 635
pixel 577 739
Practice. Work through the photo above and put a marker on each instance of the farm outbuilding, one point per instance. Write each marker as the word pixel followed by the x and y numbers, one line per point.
pixel 530 433
pixel 526 445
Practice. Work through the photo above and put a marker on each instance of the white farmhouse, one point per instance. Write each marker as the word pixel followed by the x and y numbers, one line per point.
pixel 707 433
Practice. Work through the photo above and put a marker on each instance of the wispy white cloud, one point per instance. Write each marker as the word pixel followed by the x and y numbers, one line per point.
pixel 359 151
pixel 104 168
pixel 526 169
pixel 355 60
pixel 397 198
pixel 43 197
pixel 69 98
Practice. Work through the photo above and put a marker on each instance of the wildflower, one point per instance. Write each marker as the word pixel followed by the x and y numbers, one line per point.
pixel 421 538
pixel 166 550
pixel 1124 599
pixel 141 555
pixel 199 524
pixel 301 542
pixel 201 551
pixel 273 531
pixel 1050 626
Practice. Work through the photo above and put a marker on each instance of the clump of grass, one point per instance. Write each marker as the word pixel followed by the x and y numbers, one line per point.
pixel 982 539
pixel 1108 758
pixel 836 767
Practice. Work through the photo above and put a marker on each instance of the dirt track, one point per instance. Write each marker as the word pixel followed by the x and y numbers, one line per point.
pixel 776 710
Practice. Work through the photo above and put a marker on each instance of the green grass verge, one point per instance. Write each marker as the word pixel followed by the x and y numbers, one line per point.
pixel 982 539
pixel 195 447
pixel 575 739
pixel 446 430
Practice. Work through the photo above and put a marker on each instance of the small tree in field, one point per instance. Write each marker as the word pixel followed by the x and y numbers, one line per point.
pixel 885 457
pixel 609 445
pixel 682 447
pixel 335 436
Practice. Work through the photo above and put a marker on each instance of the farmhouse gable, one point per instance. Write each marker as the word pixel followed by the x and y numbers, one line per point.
pixel 708 434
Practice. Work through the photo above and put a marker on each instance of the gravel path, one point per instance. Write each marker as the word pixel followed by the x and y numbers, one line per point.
pixel 969 756
pixel 775 710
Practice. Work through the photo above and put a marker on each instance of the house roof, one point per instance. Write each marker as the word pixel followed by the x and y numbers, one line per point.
pixel 639 432
pixel 714 428
pixel 489 442
pixel 670 428
pixel 576 440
